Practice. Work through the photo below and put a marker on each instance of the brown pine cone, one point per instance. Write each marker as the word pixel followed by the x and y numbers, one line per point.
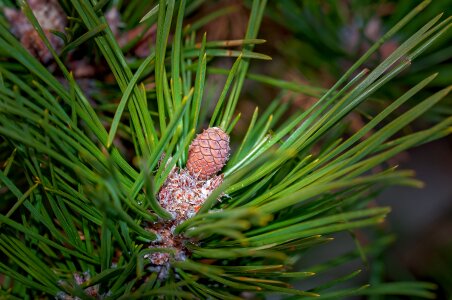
pixel 50 16
pixel 208 153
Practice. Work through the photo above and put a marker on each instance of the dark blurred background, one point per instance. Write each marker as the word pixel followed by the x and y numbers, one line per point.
pixel 313 43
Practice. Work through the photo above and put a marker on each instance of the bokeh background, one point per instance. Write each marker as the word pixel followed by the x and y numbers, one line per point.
pixel 313 43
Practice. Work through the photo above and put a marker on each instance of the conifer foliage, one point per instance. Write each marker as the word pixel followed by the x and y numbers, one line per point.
pixel 83 212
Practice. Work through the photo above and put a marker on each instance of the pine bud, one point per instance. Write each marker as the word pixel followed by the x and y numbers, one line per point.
pixel 208 153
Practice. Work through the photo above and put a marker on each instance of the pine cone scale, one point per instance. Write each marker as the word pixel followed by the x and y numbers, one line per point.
pixel 208 153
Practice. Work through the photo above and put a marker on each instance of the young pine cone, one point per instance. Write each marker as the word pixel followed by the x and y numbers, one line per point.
pixel 208 153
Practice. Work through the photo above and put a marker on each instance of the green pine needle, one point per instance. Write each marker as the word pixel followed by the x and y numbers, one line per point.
pixel 80 174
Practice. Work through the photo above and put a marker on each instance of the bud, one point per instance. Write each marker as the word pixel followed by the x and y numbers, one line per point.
pixel 208 153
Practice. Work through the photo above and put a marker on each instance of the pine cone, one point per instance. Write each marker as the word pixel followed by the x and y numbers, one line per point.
pixel 50 16
pixel 208 153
